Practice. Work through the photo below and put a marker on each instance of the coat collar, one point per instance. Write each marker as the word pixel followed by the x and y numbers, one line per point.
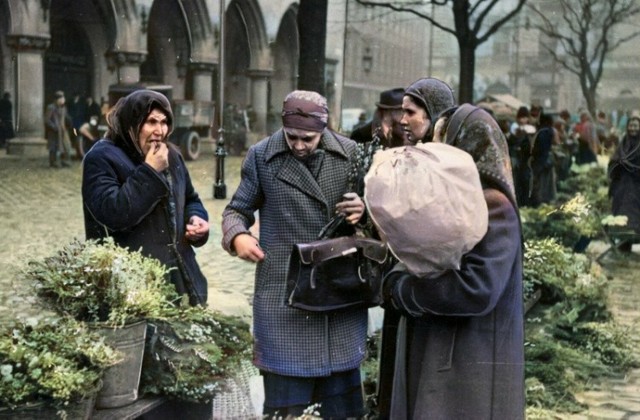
pixel 294 173
pixel 277 145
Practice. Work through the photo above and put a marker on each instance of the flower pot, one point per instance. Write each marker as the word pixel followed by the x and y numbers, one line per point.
pixel 121 381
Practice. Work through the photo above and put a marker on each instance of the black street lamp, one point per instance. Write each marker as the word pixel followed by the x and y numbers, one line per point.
pixel 220 188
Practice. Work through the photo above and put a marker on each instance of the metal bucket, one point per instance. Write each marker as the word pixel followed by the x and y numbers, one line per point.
pixel 121 381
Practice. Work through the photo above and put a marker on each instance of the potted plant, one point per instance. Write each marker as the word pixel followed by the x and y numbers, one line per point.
pixel 50 368
pixel 192 352
pixel 114 290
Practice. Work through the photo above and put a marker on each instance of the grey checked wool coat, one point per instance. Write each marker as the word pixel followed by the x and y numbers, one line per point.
pixel 293 207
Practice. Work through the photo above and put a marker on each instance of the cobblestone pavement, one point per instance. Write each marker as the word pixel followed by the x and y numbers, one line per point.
pixel 41 210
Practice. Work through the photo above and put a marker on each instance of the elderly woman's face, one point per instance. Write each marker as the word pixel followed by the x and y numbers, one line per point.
pixel 154 130
pixel 415 120
pixel 302 143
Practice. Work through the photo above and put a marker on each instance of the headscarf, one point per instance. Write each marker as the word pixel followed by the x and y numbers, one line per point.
pixel 305 110
pixel 627 154
pixel 476 132
pixel 128 115
pixel 431 94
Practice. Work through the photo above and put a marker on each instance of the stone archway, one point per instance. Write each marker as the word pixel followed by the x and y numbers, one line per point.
pixel 67 66
pixel 168 47
pixel 285 62
pixel 74 61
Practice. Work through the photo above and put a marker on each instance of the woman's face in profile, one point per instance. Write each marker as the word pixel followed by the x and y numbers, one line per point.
pixel 415 120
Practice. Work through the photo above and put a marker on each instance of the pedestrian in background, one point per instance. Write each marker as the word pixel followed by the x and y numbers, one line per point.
pixel 542 163
pixel 382 132
pixel 297 179
pixel 385 124
pixel 624 179
pixel 58 125
pixel 519 143
pixel 92 109
pixel 588 145
pixel 136 189
pixel 461 338
pixel 6 119
pixel 78 113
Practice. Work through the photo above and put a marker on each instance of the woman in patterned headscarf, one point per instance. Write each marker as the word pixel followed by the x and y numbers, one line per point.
pixel 624 176
pixel 423 100
pixel 461 339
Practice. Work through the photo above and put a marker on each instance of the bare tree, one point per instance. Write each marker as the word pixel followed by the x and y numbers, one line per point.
pixel 469 19
pixel 583 34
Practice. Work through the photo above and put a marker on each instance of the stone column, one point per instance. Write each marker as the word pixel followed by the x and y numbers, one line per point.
pixel 127 64
pixel 202 76
pixel 259 91
pixel 29 97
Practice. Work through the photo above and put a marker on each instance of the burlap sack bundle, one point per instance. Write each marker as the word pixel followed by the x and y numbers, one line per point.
pixel 427 204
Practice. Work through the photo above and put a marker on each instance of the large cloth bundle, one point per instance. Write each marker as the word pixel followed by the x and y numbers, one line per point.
pixel 427 203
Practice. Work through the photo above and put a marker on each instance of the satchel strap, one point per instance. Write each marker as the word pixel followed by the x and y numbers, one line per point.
pixel 326 249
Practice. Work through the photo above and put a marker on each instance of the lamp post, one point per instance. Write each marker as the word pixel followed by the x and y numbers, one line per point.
pixel 220 188
pixel 367 60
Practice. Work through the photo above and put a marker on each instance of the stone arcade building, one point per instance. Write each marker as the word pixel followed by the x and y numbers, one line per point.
pixel 85 46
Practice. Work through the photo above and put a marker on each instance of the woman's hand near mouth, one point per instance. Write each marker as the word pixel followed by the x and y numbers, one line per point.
pixel 158 156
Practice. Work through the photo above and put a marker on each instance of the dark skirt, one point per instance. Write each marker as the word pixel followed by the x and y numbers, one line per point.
pixel 339 395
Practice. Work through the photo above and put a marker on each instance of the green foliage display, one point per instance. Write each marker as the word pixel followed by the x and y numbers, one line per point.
pixel 192 352
pixel 101 282
pixel 572 339
pixel 567 222
pixel 592 183
pixel 570 280
pixel 55 360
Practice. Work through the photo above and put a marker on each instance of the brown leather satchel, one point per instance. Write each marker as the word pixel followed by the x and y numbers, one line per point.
pixel 337 273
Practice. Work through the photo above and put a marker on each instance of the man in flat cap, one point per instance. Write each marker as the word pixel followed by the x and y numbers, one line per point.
pixel 296 180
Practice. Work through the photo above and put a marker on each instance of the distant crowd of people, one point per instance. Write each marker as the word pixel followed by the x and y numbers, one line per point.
pixel 543 147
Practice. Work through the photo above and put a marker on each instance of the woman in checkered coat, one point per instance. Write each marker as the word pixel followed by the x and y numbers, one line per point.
pixel 297 179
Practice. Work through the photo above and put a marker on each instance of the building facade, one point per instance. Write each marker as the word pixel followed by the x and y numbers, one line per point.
pixel 90 47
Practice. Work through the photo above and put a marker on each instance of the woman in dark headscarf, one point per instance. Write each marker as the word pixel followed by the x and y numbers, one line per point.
pixel 543 189
pixel 624 177
pixel 423 100
pixel 136 189
pixel 461 340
